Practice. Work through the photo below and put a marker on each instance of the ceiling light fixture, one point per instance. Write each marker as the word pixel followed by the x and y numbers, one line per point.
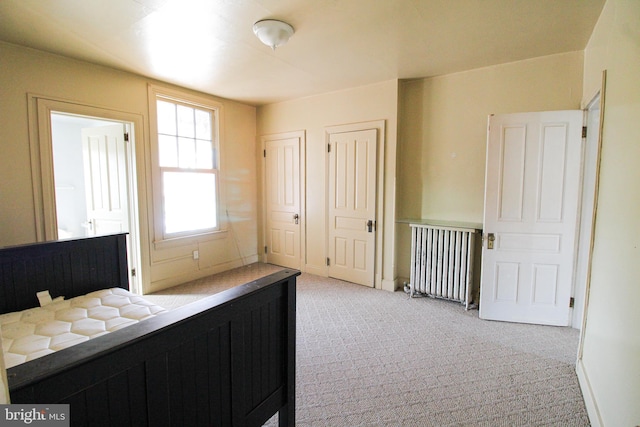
pixel 272 32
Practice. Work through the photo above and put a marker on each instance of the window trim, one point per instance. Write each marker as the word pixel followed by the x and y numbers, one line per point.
pixel 160 239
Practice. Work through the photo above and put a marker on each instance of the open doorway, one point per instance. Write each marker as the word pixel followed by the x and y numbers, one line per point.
pixel 58 173
pixel 89 163
pixel 522 207
pixel 92 168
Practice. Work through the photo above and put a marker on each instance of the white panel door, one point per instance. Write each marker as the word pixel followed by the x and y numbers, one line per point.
pixel 283 221
pixel 352 206
pixel 105 174
pixel 530 218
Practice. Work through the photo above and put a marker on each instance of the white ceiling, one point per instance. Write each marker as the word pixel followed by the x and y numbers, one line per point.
pixel 208 45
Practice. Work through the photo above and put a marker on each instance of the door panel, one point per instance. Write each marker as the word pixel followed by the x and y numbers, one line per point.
pixel 282 169
pixel 352 195
pixel 105 172
pixel 512 174
pixel 531 204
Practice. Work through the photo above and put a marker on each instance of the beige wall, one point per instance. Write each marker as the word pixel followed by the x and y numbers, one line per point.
pixel 442 133
pixel 609 370
pixel 27 71
pixel 313 115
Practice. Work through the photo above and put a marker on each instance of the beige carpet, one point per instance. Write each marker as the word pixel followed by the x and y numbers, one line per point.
pixel 368 357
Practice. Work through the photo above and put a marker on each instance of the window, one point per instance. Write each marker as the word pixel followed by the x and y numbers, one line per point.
pixel 187 159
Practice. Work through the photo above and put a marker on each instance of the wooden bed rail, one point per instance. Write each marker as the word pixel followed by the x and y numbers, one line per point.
pixel 228 359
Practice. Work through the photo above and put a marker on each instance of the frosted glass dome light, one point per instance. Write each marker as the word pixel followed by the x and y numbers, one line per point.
pixel 272 32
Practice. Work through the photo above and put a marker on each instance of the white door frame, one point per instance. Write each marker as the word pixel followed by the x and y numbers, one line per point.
pixel 40 109
pixel 589 253
pixel 380 126
pixel 588 198
pixel 581 372
pixel 301 135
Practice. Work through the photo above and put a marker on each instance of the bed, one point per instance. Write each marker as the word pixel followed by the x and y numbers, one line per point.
pixel 228 359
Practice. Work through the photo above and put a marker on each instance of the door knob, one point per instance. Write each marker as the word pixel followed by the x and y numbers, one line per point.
pixel 296 218
pixel 490 239
pixel 370 225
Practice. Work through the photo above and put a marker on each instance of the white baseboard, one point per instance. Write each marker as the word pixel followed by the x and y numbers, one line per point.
pixel 199 273
pixel 318 271
pixel 389 285
pixel 587 394
pixel 251 259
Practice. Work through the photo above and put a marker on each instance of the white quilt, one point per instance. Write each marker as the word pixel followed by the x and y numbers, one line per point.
pixel 32 333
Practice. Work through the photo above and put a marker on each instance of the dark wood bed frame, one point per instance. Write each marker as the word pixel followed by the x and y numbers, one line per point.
pixel 226 360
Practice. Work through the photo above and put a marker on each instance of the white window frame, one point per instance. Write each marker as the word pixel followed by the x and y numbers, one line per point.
pixel 161 238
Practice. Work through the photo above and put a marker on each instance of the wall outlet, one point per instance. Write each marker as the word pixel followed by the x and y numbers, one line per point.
pixel 196 254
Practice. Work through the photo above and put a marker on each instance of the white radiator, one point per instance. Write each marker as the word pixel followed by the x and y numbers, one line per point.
pixel 442 262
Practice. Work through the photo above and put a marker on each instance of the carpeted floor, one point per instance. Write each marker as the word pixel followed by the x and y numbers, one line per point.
pixel 368 357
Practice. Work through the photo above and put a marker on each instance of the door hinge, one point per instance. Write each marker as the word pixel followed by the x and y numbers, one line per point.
pixel 264 153
pixel 328 261
pixel 126 137
pixel 328 148
pixel 133 272
pixel 265 249
pixel 584 131
pixel 572 301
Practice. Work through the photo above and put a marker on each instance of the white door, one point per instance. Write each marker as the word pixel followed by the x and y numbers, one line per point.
pixel 531 202
pixel 105 173
pixel 352 205
pixel 283 219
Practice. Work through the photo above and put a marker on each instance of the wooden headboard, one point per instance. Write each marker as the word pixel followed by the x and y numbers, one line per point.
pixel 66 268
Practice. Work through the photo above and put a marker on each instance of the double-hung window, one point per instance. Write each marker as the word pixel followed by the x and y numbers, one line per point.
pixel 187 156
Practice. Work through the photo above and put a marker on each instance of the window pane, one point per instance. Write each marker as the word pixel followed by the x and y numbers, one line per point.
pixel 186 124
pixel 187 160
pixel 168 147
pixel 204 156
pixel 166 117
pixel 186 153
pixel 203 125
pixel 189 201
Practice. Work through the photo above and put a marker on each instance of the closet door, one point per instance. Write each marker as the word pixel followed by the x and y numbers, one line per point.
pixel 282 201
pixel 352 206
